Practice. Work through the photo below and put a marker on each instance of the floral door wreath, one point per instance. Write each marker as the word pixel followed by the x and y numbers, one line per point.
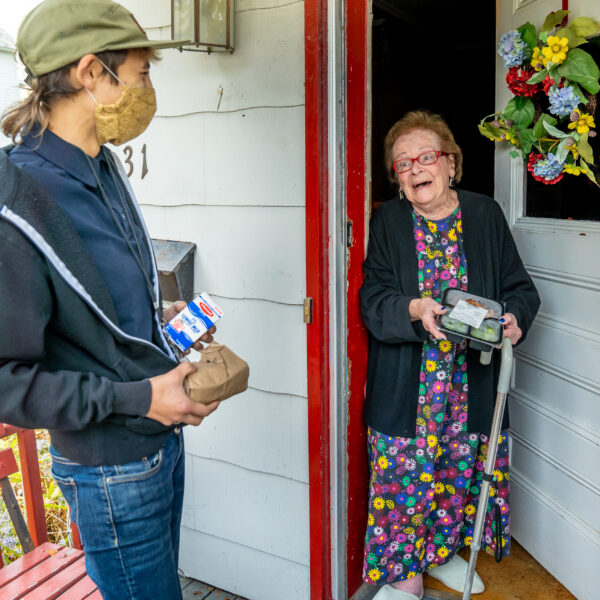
pixel 550 118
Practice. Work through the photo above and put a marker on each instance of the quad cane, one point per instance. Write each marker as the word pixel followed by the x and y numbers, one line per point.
pixel 503 386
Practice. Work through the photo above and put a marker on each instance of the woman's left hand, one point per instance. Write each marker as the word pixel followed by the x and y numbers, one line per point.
pixel 511 328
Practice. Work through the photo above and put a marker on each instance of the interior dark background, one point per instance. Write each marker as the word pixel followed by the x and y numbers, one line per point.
pixel 441 56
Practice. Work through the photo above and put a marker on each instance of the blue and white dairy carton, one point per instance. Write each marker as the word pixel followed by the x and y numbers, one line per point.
pixel 193 321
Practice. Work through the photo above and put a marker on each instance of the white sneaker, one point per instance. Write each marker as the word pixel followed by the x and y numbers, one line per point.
pixel 389 592
pixel 453 574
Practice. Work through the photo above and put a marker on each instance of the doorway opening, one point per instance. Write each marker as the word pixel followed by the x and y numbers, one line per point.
pixel 440 56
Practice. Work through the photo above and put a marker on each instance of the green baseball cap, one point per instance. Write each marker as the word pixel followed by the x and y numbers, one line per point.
pixel 56 33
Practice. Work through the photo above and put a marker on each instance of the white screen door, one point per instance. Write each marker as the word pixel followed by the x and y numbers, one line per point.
pixel 555 401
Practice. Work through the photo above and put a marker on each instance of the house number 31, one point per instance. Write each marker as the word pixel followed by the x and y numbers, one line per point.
pixel 128 152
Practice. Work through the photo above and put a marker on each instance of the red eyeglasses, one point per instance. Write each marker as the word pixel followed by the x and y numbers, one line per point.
pixel 429 157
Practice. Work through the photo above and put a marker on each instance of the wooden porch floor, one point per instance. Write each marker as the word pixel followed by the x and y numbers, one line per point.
pixel 196 590
pixel 518 577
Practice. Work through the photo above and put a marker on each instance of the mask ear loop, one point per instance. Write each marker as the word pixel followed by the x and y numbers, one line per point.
pixel 113 74
pixel 121 82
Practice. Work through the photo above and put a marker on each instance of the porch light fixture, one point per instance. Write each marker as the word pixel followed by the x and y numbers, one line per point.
pixel 208 24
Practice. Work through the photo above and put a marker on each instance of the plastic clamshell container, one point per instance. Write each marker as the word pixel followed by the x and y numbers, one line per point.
pixel 487 335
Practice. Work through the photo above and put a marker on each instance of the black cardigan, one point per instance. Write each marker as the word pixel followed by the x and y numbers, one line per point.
pixel 494 270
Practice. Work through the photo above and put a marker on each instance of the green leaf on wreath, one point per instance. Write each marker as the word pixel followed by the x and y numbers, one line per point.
pixel 557 133
pixel 553 19
pixel 580 67
pixel 520 110
pixel 539 130
pixel 585 149
pixel 529 36
pixel 526 139
pixel 584 26
pixel 543 36
pixel 588 171
pixel 562 151
pixel 574 39
pixel 579 92
pixel 539 76
pixel 483 130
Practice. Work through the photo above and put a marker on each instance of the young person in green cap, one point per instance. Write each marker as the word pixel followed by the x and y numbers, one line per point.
pixel 82 352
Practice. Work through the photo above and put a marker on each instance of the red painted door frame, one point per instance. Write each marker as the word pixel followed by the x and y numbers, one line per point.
pixel 317 288
pixel 357 209
pixel 317 285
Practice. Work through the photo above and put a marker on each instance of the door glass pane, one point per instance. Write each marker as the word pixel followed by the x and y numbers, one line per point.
pixel 574 197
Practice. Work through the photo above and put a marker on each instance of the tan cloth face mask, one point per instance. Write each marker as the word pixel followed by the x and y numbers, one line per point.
pixel 129 116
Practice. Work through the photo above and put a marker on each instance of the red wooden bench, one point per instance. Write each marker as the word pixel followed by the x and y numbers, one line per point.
pixel 47 571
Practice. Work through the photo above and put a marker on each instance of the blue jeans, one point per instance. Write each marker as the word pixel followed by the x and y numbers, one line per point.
pixel 129 517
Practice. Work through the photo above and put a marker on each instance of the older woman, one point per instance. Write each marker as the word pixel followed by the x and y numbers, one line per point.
pixel 429 401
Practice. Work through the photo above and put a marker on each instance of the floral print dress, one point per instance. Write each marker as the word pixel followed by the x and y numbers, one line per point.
pixel 424 491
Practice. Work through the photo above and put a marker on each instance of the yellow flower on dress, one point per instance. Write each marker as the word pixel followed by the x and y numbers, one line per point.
pixel 556 50
pixel 430 365
pixel 459 227
pixel 468 540
pixel 419 542
pixel 443 552
pixel 469 509
pixel 452 235
pixel 383 462
pixel 498 475
pixel 439 452
pixel 583 123
pixel 378 503
pixel 371 519
pixel 432 440
pixel 439 487
pixel 426 477
pixel 432 227
pixel 537 62
pixel 375 574
pixel 445 345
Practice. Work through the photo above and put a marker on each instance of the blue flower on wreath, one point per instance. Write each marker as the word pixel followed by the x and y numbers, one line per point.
pixel 549 168
pixel 563 101
pixel 512 49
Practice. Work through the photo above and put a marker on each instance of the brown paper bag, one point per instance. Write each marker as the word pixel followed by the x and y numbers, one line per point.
pixel 220 374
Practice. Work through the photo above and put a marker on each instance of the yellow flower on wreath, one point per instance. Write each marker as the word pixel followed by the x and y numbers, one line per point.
pixel 537 61
pixel 512 139
pixel 573 169
pixel 583 123
pixel 556 50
